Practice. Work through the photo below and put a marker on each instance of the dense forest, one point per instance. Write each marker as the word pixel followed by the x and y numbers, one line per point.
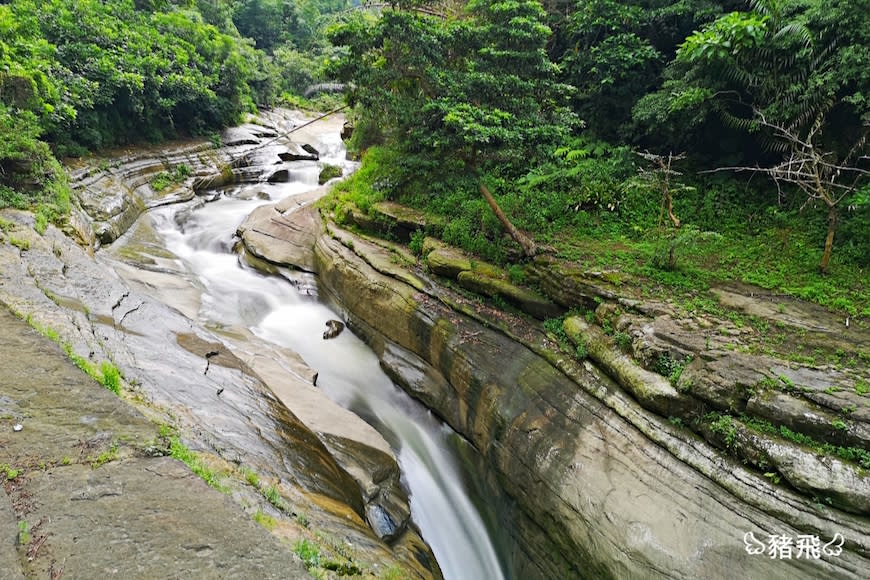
pixel 684 141
pixel 78 77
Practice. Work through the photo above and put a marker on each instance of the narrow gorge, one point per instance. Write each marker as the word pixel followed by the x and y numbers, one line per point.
pixel 563 427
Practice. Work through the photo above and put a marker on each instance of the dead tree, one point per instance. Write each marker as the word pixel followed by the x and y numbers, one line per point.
pixel 661 178
pixel 817 170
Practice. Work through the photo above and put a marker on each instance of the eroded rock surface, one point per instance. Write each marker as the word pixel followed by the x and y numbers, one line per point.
pixel 92 494
pixel 600 485
pixel 214 388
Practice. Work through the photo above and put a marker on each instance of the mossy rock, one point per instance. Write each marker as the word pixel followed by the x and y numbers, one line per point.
pixel 651 390
pixel 526 300
pixel 448 262
pixel 329 172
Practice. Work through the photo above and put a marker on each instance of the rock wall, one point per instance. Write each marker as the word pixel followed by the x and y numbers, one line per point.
pixel 233 403
pixel 599 486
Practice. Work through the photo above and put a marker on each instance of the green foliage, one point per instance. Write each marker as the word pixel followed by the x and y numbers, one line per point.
pixel 670 367
pixel 309 552
pixel 722 425
pixel 623 341
pixel 265 520
pixel 303 520
pixel 852 454
pixel 251 477
pixel 516 273
pixel 273 497
pixel 19 243
pixel 164 179
pixel 111 377
pixel 8 472
pixel 106 456
pixel 669 246
pixel 465 91
pixel 89 74
pixel 23 533
pixel 329 172
pixel 182 452
pixel 416 243
pixel 556 331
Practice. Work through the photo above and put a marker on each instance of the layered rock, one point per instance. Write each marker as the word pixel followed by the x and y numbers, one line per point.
pixel 227 395
pixel 599 485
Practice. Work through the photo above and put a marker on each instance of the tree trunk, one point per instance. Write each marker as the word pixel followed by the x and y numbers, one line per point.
pixel 528 246
pixel 829 240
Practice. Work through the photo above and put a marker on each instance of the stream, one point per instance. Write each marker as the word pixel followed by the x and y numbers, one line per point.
pixel 292 316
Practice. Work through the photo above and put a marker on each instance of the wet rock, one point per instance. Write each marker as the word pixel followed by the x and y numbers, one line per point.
pixel 333 329
pixel 247 425
pixel 377 473
pixel 569 285
pixel 574 453
pixel 652 390
pixel 839 483
pixel 346 131
pixel 296 152
pixel 448 262
pixel 71 507
pixel 280 176
pixel 282 234
pixel 803 416
pixel 726 380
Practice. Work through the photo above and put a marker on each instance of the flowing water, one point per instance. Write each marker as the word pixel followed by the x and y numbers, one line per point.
pixel 291 316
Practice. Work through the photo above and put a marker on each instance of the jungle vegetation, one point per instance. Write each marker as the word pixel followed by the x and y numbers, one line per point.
pixel 687 141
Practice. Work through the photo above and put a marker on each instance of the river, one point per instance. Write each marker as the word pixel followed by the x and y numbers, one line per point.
pixel 291 315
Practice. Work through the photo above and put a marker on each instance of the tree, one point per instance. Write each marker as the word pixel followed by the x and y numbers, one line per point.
pixel 472 92
pixel 819 172
pixel 760 71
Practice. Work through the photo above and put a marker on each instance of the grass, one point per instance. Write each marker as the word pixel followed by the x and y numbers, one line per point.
pixel 107 374
pixel 23 533
pixel 393 572
pixel 274 497
pixel 19 243
pixel 851 454
pixel 251 477
pixel 182 452
pixel 309 552
pixel 110 377
pixel 265 520
pixel 106 456
pixel 164 179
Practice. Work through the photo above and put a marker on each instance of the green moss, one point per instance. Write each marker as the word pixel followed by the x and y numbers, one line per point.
pixel 265 520
pixel 329 172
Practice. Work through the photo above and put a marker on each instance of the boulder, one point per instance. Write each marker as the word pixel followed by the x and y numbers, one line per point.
pixel 333 329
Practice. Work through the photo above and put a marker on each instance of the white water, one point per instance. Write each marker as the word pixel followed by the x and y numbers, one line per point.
pixel 349 372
